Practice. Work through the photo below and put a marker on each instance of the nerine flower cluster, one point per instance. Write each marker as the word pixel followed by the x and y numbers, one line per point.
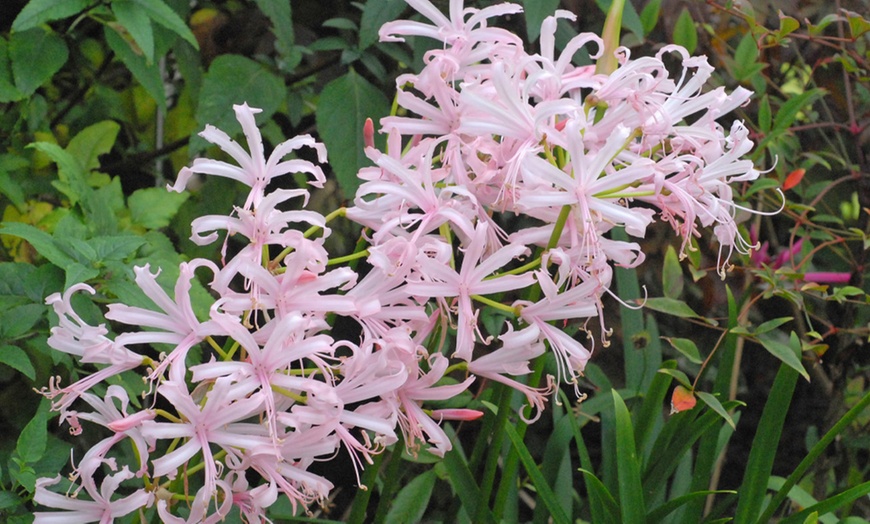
pixel 498 190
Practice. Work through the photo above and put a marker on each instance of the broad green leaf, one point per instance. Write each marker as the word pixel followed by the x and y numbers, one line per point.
pixel 71 176
pixel 36 55
pixel 16 358
pixel 345 104
pixel 649 17
pixel 19 320
pixel 745 57
pixel 714 404
pixel 687 348
pixel 33 438
pixel 341 23
pixel 154 207
pixel 672 274
pixel 93 141
pixel 9 499
pixel 787 25
pixel 136 21
pixel 632 507
pixel 685 33
pixel 411 502
pixel 8 91
pixel 147 74
pixel 11 189
pixel 858 25
pixel 115 247
pixel 280 14
pixel 233 80
pixel 37 12
pixel 44 244
pixel 374 15
pixel 786 353
pixel 162 14
pixel 536 11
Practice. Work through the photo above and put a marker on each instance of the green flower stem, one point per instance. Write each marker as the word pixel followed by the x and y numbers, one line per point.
pixel 215 346
pixel 347 258
pixel 340 212
pixel 497 305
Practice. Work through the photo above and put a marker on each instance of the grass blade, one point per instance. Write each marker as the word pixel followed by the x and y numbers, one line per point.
pixel 545 492
pixel 765 443
pixel 632 507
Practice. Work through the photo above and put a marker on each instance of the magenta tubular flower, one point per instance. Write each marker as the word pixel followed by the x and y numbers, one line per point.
pixel 253 170
pixel 827 277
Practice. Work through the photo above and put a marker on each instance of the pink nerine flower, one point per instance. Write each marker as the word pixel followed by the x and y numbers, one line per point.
pixel 253 170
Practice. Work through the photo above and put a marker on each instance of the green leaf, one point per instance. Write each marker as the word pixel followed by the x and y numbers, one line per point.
pixel 162 14
pixel 16 358
pixel 71 176
pixel 649 17
pixel 44 244
pixel 280 14
pixel 714 404
pixel 115 247
pixel 672 274
pixel 341 23
pixel 137 22
pixel 34 436
pixel 536 11
pixel 37 12
pixel 685 33
pixel 770 325
pixel 344 105
pixel 670 306
pixel 146 74
pixel 234 79
pixel 598 491
pixel 687 348
pixel 787 25
pixel 789 110
pixel 374 15
pixel 411 502
pixel 8 91
pixel 36 55
pixel 679 375
pixel 764 445
pixel 631 504
pixel 464 485
pixel 764 115
pixel 788 354
pixel 545 492
pixel 858 25
pixel 93 141
pixel 18 320
pixel 829 505
pixel 11 188
pixel 154 207
pixel 745 57
pixel 659 513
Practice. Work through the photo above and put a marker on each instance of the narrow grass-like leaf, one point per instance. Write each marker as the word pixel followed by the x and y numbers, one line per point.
pixel 632 507
pixel 545 492
pixel 465 487
pixel 764 446
pixel 830 504
pixel 650 409
pixel 598 493
pixel 555 454
pixel 411 502
pixel 814 453
pixel 659 513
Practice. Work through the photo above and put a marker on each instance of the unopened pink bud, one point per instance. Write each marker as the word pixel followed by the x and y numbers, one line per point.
pixel 456 414
pixel 827 277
